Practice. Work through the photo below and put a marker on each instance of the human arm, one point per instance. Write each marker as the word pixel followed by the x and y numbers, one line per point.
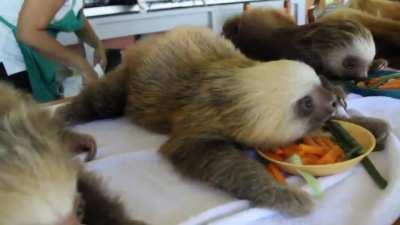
pixel 88 35
pixel 33 21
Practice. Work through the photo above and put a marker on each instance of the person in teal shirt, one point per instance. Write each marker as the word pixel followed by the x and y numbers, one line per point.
pixel 30 50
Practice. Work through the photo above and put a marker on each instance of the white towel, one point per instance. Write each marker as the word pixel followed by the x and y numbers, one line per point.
pixel 154 192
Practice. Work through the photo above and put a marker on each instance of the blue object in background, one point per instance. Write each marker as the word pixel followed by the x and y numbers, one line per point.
pixel 352 87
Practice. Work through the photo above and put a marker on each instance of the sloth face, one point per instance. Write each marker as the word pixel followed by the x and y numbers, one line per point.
pixel 353 62
pixel 355 68
pixel 317 107
pixel 284 100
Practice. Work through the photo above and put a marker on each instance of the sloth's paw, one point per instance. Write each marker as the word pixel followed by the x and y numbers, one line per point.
pixel 82 143
pixel 289 200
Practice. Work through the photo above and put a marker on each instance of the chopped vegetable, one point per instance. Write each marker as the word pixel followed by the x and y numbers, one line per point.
pixel 311 181
pixel 391 84
pixel 312 151
pixel 353 149
pixel 384 82
pixel 276 173
pixel 374 173
pixel 344 139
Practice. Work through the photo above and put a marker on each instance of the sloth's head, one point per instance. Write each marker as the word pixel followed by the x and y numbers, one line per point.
pixel 344 49
pixel 283 101
pixel 337 49
pixel 37 187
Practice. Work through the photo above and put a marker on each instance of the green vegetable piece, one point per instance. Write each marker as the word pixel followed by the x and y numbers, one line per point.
pixel 374 173
pixel 350 145
pixel 353 149
pixel 311 181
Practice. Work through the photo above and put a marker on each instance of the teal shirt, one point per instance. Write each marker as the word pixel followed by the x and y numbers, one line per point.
pixel 42 70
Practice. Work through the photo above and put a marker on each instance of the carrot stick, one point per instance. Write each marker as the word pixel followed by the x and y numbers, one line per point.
pixel 308 149
pixel 275 156
pixel 280 151
pixel 310 159
pixel 328 142
pixel 330 156
pixel 290 150
pixel 313 150
pixel 276 173
pixel 320 142
pixel 390 86
pixel 309 141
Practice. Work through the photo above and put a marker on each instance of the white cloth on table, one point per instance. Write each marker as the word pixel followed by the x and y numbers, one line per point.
pixel 154 192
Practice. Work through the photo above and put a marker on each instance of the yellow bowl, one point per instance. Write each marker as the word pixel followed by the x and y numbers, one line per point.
pixel 362 135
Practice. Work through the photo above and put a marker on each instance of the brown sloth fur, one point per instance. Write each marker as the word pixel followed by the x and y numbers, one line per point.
pixel 382 18
pixel 195 86
pixel 343 49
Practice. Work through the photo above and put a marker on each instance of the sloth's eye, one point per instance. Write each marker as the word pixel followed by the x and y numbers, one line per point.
pixel 350 62
pixel 305 106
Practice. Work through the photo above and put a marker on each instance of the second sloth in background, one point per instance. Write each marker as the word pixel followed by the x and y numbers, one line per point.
pixel 335 49
pixel 381 17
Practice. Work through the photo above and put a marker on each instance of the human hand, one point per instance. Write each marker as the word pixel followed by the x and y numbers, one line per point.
pixel 100 56
pixel 88 73
pixel 89 76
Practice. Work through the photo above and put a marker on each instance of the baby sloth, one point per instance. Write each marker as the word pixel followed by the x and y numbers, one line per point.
pixel 195 86
pixel 336 49
pixel 381 17
pixel 40 182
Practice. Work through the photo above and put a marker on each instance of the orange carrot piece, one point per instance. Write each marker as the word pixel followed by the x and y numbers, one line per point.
pixel 373 81
pixel 309 149
pixel 340 154
pixel 275 156
pixel 276 173
pixel 329 143
pixel 313 150
pixel 309 141
pixel 330 157
pixel 391 84
pixel 290 150
pixel 280 151
pixel 310 159
pixel 320 142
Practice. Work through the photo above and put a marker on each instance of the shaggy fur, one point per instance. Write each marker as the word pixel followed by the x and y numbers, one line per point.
pixel 266 34
pixel 39 179
pixel 197 87
pixel 382 18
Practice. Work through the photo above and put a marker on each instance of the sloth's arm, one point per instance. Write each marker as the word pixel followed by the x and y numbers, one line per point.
pixel 378 127
pixel 100 208
pixel 105 98
pixel 222 165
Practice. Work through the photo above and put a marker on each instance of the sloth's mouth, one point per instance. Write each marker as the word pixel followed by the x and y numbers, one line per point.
pixel 319 122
